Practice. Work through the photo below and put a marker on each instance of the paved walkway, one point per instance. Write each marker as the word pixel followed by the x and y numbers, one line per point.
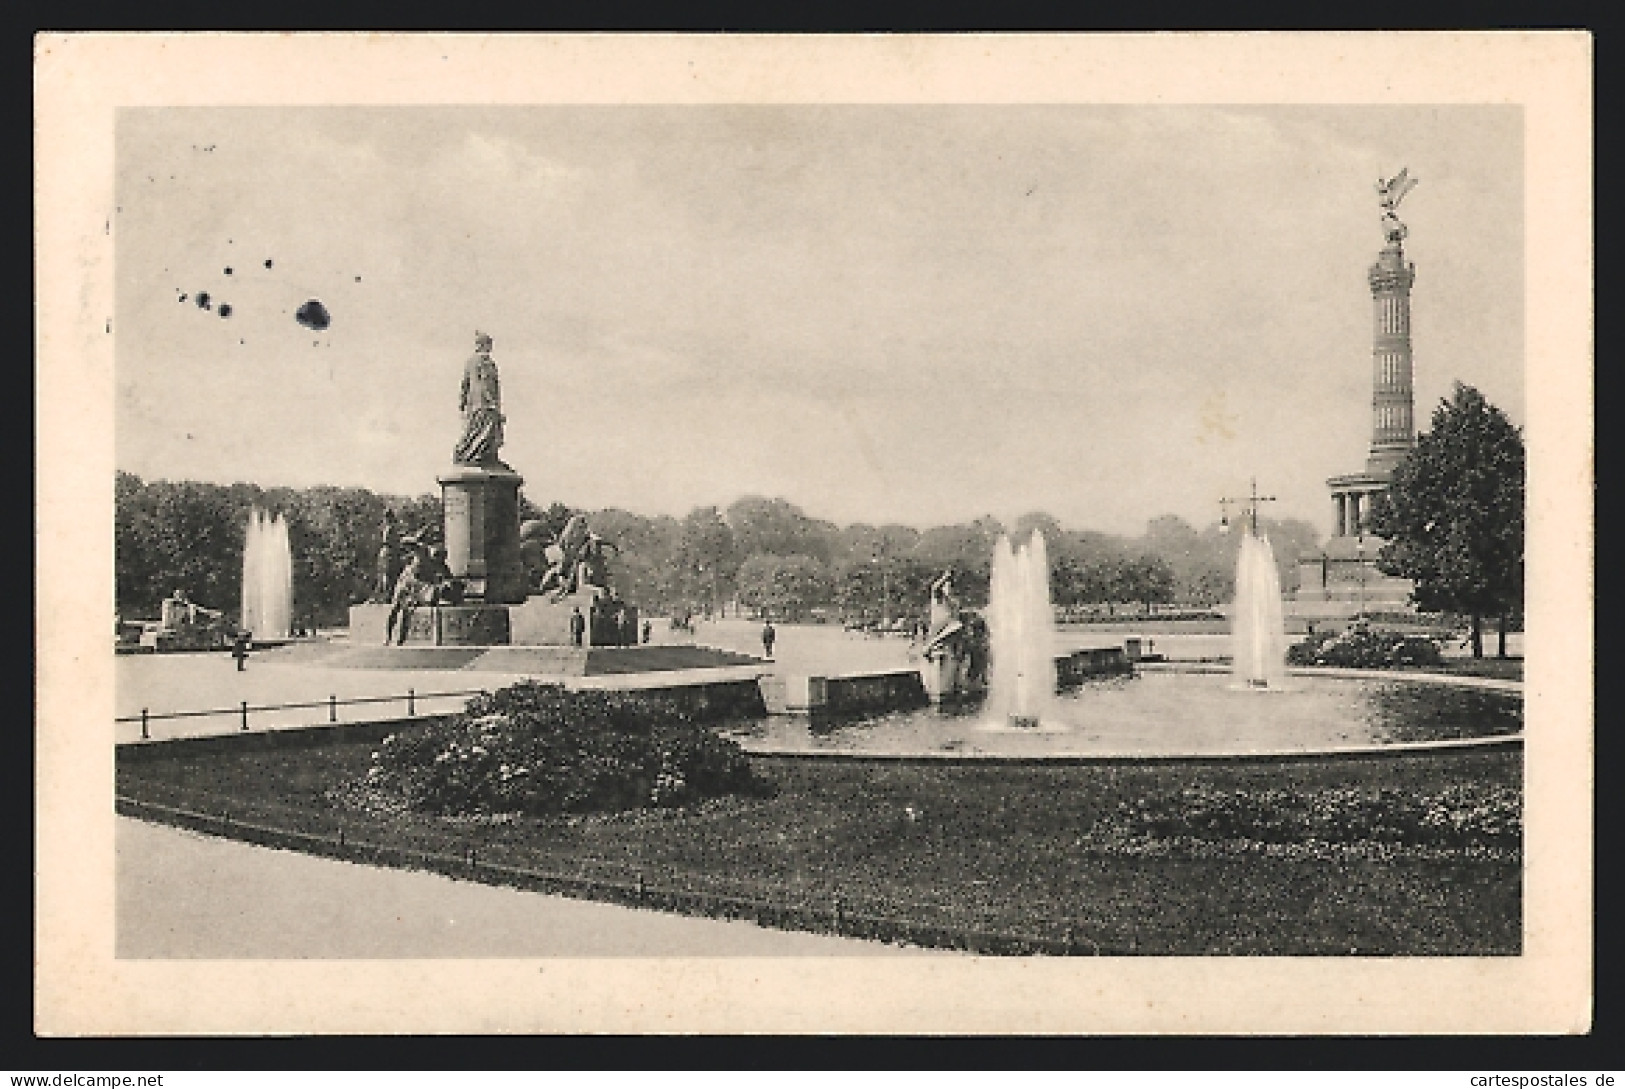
pixel 182 895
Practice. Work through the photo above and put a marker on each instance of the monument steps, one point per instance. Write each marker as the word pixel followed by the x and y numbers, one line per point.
pixel 398 657
pixel 650 659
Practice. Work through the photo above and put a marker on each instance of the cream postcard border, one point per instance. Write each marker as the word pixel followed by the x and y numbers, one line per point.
pixel 81 79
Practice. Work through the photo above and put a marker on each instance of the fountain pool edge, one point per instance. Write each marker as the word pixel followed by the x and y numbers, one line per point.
pixel 1449 747
pixel 1492 684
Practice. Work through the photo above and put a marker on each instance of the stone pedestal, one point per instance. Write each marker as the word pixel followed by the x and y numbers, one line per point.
pixel 946 678
pixel 541 621
pixel 482 532
pixel 1341 581
pixel 434 625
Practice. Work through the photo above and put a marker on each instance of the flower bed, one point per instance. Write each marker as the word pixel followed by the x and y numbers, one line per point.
pixel 1365 648
pixel 1459 820
pixel 535 750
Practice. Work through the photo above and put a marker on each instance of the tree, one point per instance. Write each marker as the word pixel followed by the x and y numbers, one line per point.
pixel 194 543
pixel 968 549
pixel 1290 539
pixel 785 587
pixel 552 517
pixel 778 528
pixel 1453 514
pixel 137 566
pixel 1147 579
pixel 641 569
pixel 706 557
pixel 1042 522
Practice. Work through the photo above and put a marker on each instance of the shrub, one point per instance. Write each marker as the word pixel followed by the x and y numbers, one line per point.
pixel 538 749
pixel 1365 648
pixel 1457 817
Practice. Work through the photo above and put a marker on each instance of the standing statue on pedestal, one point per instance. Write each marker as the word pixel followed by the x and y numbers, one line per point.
pixel 481 406
pixel 389 559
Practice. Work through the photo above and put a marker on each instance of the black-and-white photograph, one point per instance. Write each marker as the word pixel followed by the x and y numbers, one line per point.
pixel 933 531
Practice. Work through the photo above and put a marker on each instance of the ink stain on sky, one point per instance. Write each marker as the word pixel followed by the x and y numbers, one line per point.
pixel 228 270
pixel 267 262
pixel 225 310
pixel 313 315
pixel 203 300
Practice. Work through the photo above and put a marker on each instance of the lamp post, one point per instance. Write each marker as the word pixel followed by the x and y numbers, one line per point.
pixel 878 559
pixel 1249 506
pixel 1359 552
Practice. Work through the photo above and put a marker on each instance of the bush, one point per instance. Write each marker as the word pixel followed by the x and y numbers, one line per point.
pixel 538 749
pixel 1365 648
pixel 1457 817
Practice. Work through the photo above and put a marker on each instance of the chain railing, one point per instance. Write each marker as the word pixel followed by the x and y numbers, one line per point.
pixel 841 912
pixel 411 698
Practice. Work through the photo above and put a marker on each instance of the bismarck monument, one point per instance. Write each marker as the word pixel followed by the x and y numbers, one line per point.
pixel 478 589
pixel 1342 580
pixel 481 494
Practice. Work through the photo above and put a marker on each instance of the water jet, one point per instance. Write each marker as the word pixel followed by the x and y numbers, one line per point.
pixel 1021 631
pixel 267 600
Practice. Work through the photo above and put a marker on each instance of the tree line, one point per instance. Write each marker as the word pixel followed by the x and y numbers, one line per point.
pixel 762 554
pixel 1453 519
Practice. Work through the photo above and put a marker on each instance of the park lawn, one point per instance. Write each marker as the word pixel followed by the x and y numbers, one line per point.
pixel 973 847
pixel 1501 669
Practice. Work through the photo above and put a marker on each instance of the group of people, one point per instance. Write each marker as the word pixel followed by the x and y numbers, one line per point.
pixel 617 626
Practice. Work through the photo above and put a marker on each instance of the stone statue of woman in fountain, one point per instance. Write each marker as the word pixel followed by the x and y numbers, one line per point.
pixel 943 620
pixel 481 406
pixel 955 647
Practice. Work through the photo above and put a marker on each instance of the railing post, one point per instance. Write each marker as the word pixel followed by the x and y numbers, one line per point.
pixel 838 915
pixel 332 708
pixel 411 703
pixel 245 714
pixel 144 734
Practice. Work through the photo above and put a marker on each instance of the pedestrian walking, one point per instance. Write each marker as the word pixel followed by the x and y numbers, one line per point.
pixel 578 626
pixel 768 636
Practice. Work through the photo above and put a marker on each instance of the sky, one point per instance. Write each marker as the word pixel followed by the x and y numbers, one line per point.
pixel 880 313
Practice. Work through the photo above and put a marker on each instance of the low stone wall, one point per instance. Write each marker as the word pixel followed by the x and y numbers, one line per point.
pixel 854 694
pixel 1075 668
pixel 906 689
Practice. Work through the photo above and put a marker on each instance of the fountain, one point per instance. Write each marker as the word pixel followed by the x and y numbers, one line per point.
pixel 267 577
pixel 1021 683
pixel 1258 634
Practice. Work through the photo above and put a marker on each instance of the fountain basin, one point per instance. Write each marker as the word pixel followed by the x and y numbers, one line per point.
pixel 1172 715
